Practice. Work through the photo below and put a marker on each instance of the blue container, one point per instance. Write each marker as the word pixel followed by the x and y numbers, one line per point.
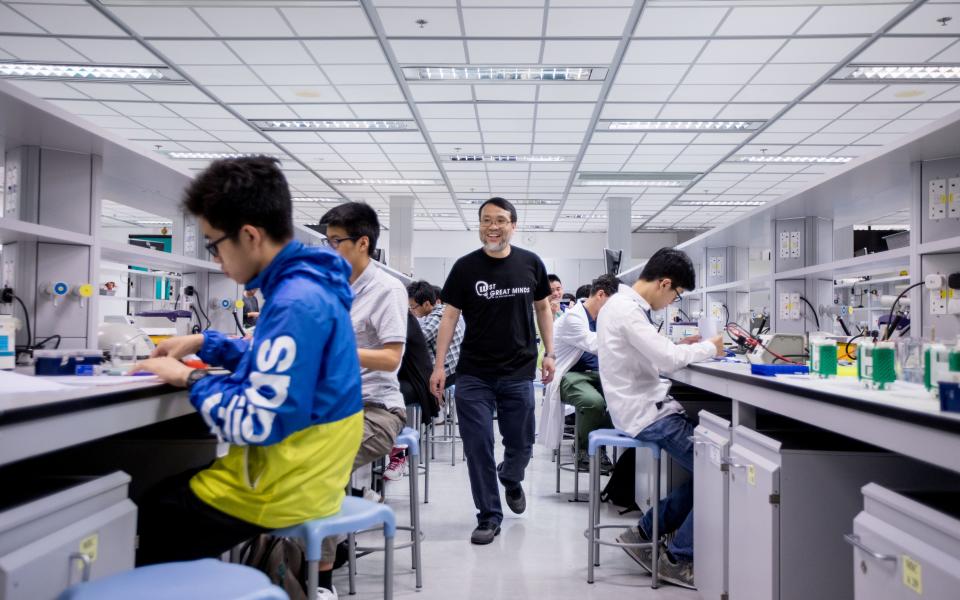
pixel 89 357
pixel 949 396
pixel 771 370
pixel 54 362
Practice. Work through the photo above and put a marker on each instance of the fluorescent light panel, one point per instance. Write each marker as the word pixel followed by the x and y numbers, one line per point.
pixel 177 155
pixel 339 125
pixel 505 73
pixel 515 202
pixel 658 125
pixel 719 203
pixel 912 73
pixel 310 199
pixel 56 71
pixel 763 158
pixel 351 181
pixel 507 158
pixel 153 222
pixel 655 179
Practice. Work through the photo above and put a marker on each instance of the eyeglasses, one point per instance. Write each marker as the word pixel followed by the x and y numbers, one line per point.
pixel 678 293
pixel 212 246
pixel 334 243
pixel 499 222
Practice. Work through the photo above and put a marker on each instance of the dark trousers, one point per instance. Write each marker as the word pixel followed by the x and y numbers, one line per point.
pixel 513 400
pixel 174 525
pixel 583 391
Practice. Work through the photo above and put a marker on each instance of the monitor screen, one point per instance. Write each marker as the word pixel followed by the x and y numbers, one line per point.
pixel 612 259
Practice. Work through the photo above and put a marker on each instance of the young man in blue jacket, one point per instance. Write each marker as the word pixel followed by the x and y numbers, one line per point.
pixel 291 408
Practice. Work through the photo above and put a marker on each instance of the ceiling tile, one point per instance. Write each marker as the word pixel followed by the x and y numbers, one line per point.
pixel 832 138
pixel 859 18
pixel 932 110
pixel 239 21
pixel 48 89
pixel 640 93
pixel 502 22
pixel 108 51
pixel 559 111
pixel 910 92
pixel 371 93
pixel 39 49
pixel 85 107
pixel 662 51
pixel 360 74
pixel 580 22
pixel 140 109
pixel 679 21
pixel 518 52
pixel 739 51
pixel 797 125
pixel 720 74
pixel 950 55
pixel 269 111
pixel 339 52
pixel 109 91
pixel 843 92
pixel 195 52
pixel 829 50
pixel 172 93
pixel 650 74
pixel 878 111
pixel 518 93
pixel 66 20
pixel 924 19
pixel 430 92
pixel 578 52
pixel 792 73
pixel 501 111
pixel 150 21
pixel 750 111
pixel 429 52
pixel 861 126
pixel 705 93
pixel 403 22
pixel 770 93
pixel 779 20
pixel 272 52
pixel 243 93
pixel 222 75
pixel 903 50
pixel 630 111
pixel 809 110
pixel 332 21
pixel 298 75
pixel 689 111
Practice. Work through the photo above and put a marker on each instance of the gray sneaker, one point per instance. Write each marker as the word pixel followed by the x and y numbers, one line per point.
pixel 642 556
pixel 675 570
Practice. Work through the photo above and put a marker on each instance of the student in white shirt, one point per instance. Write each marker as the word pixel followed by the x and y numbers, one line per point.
pixel 632 355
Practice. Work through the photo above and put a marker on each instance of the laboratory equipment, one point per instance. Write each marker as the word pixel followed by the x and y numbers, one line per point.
pixel 940 364
pixel 778 347
pixel 823 357
pixel 8 338
pixel 120 330
pixel 877 364
pixel 162 324
pixel 682 329
pixel 54 362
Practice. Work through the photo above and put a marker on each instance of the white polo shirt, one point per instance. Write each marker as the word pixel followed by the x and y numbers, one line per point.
pixel 632 355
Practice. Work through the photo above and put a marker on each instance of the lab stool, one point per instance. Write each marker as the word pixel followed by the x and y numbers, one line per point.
pixel 356 514
pixel 410 438
pixel 209 579
pixel 618 439
pixel 572 465
pixel 449 435
pixel 414 415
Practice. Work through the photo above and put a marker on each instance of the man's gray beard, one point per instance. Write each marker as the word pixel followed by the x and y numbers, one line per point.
pixel 495 247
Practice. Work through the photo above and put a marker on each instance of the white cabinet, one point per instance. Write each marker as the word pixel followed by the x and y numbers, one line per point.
pixel 906 546
pixel 710 500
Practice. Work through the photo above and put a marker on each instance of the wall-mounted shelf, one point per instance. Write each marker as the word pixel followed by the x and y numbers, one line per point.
pixel 14 230
pixel 856 265
pixel 944 246
pixel 135 255
pixel 173 275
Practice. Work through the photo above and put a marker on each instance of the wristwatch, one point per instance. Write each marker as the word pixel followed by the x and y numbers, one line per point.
pixel 550 355
pixel 195 376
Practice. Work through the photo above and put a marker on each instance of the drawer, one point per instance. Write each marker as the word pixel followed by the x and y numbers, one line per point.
pixel 710 500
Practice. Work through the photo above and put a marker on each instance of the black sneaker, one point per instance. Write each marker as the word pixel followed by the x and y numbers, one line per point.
pixel 583 461
pixel 605 465
pixel 516 500
pixel 642 556
pixel 484 533
pixel 675 570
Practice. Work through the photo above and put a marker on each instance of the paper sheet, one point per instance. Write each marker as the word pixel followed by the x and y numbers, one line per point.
pixel 99 380
pixel 16 383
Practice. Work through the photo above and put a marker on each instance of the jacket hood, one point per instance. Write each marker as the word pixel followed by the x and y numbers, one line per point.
pixel 321 265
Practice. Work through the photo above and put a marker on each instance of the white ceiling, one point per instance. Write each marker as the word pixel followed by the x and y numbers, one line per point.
pixel 706 59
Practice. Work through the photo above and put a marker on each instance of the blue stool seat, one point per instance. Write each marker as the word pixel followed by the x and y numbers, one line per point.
pixel 410 438
pixel 618 439
pixel 356 514
pixel 206 579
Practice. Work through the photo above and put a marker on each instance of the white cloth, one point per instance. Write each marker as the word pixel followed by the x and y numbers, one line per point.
pixel 632 355
pixel 571 338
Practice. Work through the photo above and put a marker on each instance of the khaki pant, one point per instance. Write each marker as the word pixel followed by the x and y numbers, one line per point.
pixel 380 430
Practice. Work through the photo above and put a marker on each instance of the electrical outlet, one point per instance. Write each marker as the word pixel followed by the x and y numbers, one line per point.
pixel 789 306
pixel 794 244
pixel 939 299
pixel 953 197
pixel 784 244
pixel 795 306
pixel 716 311
pixel 937 199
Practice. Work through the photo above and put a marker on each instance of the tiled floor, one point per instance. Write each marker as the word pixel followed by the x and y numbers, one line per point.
pixel 540 554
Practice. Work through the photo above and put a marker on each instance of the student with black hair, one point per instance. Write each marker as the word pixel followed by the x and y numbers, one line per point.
pixel 290 408
pixel 556 295
pixel 498 289
pixel 583 292
pixel 425 304
pixel 632 355
pixel 379 316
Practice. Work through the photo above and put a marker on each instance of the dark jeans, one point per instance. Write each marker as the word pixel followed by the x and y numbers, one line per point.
pixel 476 400
pixel 673 433
pixel 174 525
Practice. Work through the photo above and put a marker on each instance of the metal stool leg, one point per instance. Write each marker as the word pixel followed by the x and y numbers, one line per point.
pixel 415 525
pixel 576 454
pixel 557 453
pixel 594 493
pixel 656 524
pixel 352 562
pixel 388 568
pixel 426 466
pixel 313 579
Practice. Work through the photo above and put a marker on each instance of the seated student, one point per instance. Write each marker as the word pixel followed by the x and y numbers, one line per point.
pixel 583 292
pixel 578 373
pixel 556 295
pixel 379 315
pixel 291 408
pixel 425 304
pixel 632 356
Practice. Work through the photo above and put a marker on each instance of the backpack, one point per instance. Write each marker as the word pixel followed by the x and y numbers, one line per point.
pixel 415 370
pixel 620 489
pixel 281 559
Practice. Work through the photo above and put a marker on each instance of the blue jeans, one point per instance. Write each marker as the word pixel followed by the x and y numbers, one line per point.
pixel 513 400
pixel 672 433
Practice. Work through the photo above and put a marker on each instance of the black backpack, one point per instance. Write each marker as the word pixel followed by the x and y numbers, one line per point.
pixel 281 559
pixel 620 489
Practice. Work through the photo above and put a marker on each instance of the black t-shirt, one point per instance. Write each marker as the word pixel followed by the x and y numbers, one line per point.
pixel 496 298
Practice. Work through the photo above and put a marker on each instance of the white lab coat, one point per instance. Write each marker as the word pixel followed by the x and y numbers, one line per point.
pixel 571 338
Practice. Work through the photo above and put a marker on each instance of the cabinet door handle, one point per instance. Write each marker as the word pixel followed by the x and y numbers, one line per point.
pixel 85 559
pixel 854 540
pixel 732 465
pixel 697 441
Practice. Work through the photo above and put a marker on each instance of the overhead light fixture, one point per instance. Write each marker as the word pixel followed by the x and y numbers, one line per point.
pixel 177 155
pixel 533 228
pixel 507 158
pixel 719 203
pixel 437 215
pixel 515 202
pixel 910 73
pixel 153 222
pixel 764 158
pixel 349 181
pixel 504 73
pixel 324 125
pixel 575 216
pixel 654 179
pixel 658 125
pixel 109 73
pixel 309 199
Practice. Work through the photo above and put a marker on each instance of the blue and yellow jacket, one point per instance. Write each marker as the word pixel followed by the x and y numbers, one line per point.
pixel 291 408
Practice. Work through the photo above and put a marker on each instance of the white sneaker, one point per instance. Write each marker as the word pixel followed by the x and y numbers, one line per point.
pixel 372 496
pixel 396 469
pixel 325 594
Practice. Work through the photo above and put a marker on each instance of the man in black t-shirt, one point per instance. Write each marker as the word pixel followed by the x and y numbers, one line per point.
pixel 498 289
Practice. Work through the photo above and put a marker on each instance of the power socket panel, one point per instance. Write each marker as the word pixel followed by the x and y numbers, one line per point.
pixel 940 300
pixel 937 199
pixel 789 306
pixel 953 198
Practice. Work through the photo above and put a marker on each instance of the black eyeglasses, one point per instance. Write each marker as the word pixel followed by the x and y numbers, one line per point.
pixel 677 292
pixel 335 242
pixel 212 246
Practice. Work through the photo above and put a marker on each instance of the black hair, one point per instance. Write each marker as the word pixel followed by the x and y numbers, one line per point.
pixel 234 192
pixel 553 278
pixel 500 203
pixel 606 283
pixel 357 219
pixel 675 265
pixel 421 291
pixel 437 289
pixel 583 291
pixel 569 298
